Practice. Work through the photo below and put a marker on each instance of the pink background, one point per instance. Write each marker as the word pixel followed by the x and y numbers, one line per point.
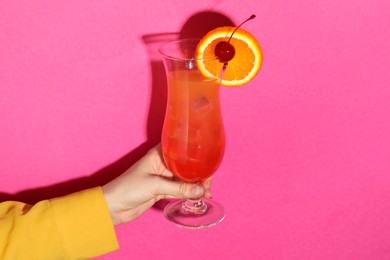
pixel 307 168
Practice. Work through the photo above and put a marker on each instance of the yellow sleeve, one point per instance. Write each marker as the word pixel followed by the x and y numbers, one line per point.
pixel 76 226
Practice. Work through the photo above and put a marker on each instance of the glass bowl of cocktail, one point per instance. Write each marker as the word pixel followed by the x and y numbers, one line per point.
pixel 193 136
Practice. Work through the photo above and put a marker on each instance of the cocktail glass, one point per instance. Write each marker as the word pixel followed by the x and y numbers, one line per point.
pixel 193 135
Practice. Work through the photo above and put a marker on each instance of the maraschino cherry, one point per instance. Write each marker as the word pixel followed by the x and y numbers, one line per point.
pixel 225 51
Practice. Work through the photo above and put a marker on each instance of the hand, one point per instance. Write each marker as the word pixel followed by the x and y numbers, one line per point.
pixel 145 183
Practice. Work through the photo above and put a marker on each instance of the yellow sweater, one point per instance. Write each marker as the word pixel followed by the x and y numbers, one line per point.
pixel 76 226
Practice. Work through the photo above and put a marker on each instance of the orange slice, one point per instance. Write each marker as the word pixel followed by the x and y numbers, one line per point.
pixel 242 68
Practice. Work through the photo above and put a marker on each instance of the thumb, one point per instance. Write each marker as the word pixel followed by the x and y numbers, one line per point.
pixel 178 189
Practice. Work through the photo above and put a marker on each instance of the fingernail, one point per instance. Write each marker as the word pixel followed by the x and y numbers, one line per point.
pixel 198 191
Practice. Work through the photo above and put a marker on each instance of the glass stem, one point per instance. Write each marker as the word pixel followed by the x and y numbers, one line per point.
pixel 195 206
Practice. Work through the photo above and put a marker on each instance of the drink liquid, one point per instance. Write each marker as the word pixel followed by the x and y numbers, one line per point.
pixel 193 138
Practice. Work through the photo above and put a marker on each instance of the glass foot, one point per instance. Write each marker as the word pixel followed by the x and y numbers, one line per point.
pixel 194 214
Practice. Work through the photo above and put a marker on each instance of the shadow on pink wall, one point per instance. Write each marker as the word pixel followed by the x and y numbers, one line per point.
pixel 195 27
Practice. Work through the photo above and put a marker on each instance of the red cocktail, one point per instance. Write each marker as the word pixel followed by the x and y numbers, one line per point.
pixel 193 137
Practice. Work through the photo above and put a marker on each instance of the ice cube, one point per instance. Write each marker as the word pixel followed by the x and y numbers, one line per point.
pixel 194 135
pixel 202 106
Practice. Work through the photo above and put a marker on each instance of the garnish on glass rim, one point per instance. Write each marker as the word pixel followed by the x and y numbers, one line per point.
pixel 238 52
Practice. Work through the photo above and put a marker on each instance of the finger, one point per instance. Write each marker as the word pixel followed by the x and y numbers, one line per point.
pixel 207 183
pixel 207 187
pixel 158 159
pixel 166 172
pixel 177 189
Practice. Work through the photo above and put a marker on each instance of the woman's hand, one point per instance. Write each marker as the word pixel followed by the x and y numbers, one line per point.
pixel 145 183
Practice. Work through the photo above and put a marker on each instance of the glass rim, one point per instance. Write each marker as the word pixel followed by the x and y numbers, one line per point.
pixel 173 57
